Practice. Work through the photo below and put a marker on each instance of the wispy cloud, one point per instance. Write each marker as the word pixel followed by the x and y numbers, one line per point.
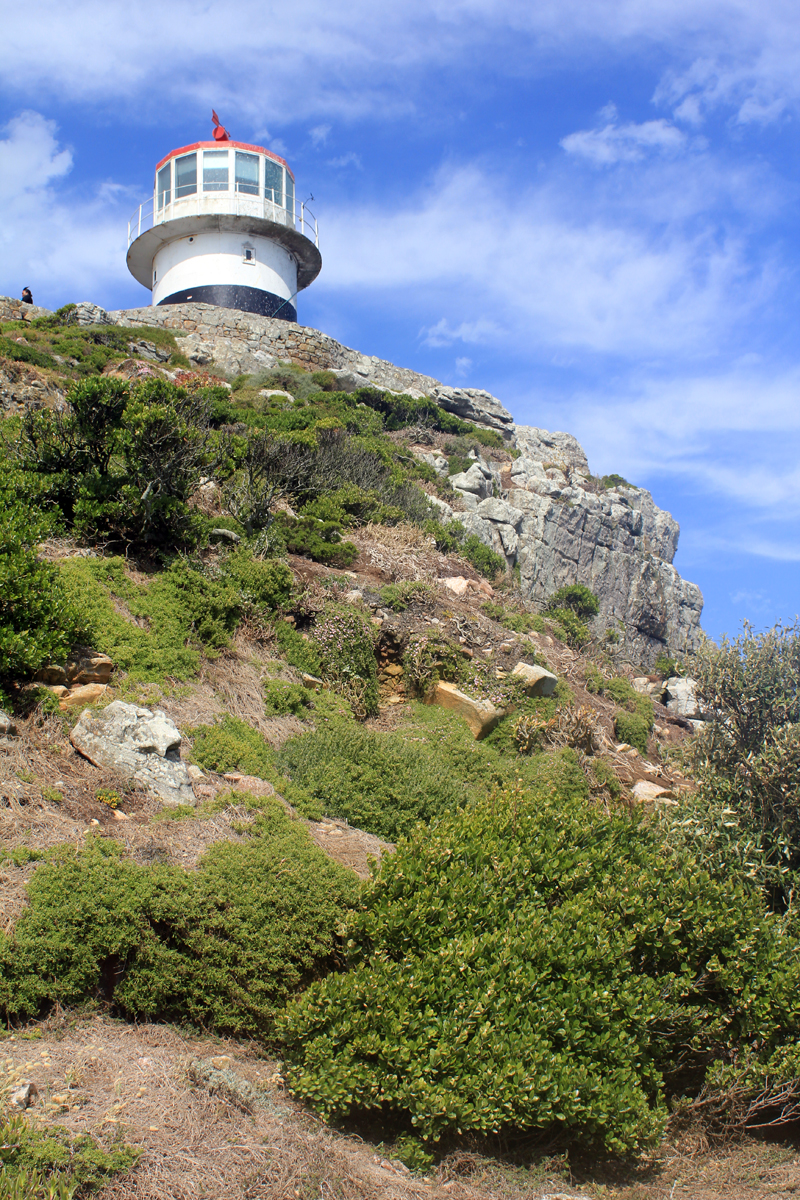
pixel 611 280
pixel 319 134
pixel 350 159
pixel 630 142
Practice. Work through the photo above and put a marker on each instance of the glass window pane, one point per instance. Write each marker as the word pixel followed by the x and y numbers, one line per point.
pixel 273 181
pixel 247 173
pixel 289 192
pixel 164 193
pixel 185 176
pixel 215 170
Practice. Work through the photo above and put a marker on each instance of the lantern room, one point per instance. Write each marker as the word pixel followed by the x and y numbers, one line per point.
pixel 224 227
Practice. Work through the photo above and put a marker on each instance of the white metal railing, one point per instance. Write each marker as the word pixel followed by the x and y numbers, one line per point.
pixel 235 202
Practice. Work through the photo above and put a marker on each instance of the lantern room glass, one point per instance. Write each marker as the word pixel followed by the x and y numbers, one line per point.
pixel 215 170
pixel 273 181
pixel 185 176
pixel 247 173
pixel 163 186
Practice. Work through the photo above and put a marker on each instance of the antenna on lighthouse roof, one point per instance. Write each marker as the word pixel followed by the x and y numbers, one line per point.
pixel 220 133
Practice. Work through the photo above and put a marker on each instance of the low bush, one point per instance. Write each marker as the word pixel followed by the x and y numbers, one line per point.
pixel 400 596
pixel 569 627
pixel 222 947
pixel 49 1163
pixel 747 752
pixel 318 540
pixel 517 622
pixel 265 584
pixel 233 745
pixel 379 782
pixel 581 600
pixel 447 537
pixel 38 621
pixel 284 699
pixel 123 460
pixel 345 643
pixel 183 611
pixel 485 560
pixel 299 651
pixel 530 963
pixel 633 729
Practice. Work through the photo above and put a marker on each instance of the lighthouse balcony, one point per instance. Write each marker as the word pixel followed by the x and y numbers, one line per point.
pixel 272 207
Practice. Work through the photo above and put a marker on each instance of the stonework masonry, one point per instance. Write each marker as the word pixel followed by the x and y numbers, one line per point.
pixel 545 513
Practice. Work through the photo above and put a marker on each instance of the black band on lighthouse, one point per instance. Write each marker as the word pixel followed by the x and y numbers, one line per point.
pixel 232 295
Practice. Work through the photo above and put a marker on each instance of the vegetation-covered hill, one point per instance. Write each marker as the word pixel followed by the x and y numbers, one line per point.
pixel 536 957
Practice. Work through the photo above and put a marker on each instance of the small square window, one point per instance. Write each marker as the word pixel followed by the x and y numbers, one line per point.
pixel 248 253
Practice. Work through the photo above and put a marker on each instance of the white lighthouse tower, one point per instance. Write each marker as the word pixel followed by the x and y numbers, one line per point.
pixel 223 227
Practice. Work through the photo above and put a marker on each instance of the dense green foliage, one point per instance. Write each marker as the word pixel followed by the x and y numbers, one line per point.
pixel 529 962
pixel 232 745
pixel 222 946
pixel 50 1164
pixel 388 782
pixel 581 600
pixel 747 754
pixel 123 460
pixel 37 621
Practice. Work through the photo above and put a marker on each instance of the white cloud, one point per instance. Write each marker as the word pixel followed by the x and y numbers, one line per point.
pixel 319 134
pixel 463 367
pixel 624 143
pixel 312 58
pixel 55 242
pixel 625 277
pixel 350 159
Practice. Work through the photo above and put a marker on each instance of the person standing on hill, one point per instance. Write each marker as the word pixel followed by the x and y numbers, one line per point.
pixel 27 298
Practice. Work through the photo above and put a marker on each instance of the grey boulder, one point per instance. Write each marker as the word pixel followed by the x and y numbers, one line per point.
pixel 680 698
pixel 140 745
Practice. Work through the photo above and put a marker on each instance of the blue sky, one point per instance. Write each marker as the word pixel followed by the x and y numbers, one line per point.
pixel 588 208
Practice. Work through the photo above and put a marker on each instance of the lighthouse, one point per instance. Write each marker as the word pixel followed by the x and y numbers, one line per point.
pixel 223 227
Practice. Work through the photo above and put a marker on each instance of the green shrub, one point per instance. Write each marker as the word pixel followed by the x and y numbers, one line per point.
pixel 579 599
pixel 27 354
pixel 123 460
pixel 282 699
pixel 38 624
pixel 267 584
pixel 569 627
pixel 49 1163
pixel 447 537
pixel 747 753
pixel 483 559
pixel 429 658
pixel 221 947
pixel 379 782
pixel 668 667
pixel 593 680
pixel 345 642
pixel 233 745
pixel 633 729
pixel 299 651
pixel 614 481
pixel 530 963
pixel 318 540
pixel 518 622
pixel 185 612
pixel 400 596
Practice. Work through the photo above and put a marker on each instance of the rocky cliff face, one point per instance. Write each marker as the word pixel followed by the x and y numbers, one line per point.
pixel 544 511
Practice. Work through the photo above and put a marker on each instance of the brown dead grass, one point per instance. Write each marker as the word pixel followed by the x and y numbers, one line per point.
pixel 110 1079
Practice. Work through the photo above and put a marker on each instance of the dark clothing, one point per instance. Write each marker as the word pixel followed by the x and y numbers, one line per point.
pixel 27 298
